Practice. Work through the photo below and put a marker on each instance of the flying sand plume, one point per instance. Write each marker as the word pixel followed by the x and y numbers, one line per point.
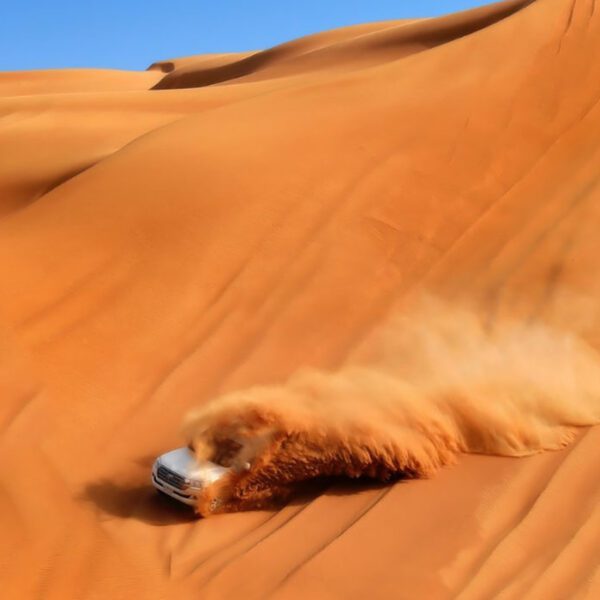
pixel 440 384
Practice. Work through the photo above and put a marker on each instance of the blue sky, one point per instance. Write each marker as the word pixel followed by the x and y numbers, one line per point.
pixel 131 34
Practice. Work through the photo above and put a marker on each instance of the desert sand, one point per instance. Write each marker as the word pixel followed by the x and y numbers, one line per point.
pixel 220 222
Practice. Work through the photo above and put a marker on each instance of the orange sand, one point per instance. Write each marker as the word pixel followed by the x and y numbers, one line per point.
pixel 260 213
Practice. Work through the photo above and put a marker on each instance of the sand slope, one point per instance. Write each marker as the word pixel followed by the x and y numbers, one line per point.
pixel 160 246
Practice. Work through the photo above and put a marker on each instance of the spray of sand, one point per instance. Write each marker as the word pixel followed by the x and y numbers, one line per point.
pixel 438 383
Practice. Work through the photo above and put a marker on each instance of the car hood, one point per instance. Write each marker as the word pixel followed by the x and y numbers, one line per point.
pixel 183 462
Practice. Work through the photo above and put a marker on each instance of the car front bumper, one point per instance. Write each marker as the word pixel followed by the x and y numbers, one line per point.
pixel 186 496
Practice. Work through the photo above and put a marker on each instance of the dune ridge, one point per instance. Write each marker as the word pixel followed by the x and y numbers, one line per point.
pixel 345 49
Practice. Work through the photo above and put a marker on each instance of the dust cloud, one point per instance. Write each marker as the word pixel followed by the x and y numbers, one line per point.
pixel 438 382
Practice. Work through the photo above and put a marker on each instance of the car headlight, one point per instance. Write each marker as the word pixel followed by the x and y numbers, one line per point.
pixel 195 483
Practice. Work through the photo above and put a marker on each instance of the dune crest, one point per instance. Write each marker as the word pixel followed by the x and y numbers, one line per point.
pixel 442 383
pixel 343 49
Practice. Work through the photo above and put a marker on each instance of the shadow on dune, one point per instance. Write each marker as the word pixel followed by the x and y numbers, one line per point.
pixel 139 502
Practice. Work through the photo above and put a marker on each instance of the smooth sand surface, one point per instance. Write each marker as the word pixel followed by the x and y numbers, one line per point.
pixel 160 246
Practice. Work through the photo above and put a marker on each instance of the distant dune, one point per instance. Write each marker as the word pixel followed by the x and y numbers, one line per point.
pixel 262 222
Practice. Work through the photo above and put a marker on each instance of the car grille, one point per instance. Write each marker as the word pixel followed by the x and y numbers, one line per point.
pixel 171 478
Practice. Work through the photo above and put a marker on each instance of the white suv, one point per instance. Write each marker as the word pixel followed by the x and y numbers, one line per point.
pixel 181 476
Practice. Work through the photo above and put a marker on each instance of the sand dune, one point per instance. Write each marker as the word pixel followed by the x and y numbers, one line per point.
pixel 64 81
pixel 201 71
pixel 342 50
pixel 160 248
pixel 201 61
